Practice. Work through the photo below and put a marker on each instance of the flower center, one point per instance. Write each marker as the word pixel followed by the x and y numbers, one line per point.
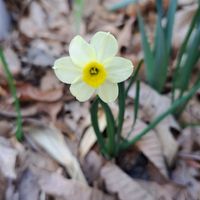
pixel 94 74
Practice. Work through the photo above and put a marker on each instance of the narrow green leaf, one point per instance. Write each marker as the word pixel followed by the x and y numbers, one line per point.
pixel 136 102
pixel 183 48
pixel 161 55
pixel 159 8
pixel 121 4
pixel 110 128
pixel 192 54
pixel 171 110
pixel 136 107
pixel 95 125
pixel 19 131
pixel 170 23
pixel 148 55
pixel 133 78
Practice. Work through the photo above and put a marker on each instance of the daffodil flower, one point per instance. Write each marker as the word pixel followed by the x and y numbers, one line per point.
pixel 93 68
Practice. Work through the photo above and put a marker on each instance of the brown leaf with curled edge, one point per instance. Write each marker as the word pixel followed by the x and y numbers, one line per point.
pixel 28 92
pixel 149 144
pixel 154 105
pixel 124 186
pixel 58 186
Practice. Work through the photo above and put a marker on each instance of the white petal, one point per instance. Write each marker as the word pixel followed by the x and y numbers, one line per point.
pixel 108 92
pixel 119 69
pixel 81 90
pixel 80 51
pixel 105 45
pixel 65 70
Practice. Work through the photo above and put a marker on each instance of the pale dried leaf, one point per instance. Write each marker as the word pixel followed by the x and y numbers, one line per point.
pixel 154 105
pixel 125 187
pixel 52 141
pixel 7 159
pixel 58 186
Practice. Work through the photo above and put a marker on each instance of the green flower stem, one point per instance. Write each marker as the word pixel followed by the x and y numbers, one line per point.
pixel 121 104
pixel 173 107
pixel 19 134
pixel 95 125
pixel 110 129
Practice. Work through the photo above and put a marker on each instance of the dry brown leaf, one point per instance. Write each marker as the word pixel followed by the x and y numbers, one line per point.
pixel 7 159
pixel 3 186
pixel 52 141
pixel 28 186
pixel 5 128
pixel 154 105
pixel 28 92
pixel 169 191
pixel 126 188
pixel 52 109
pixel 191 114
pixel 12 60
pixel 125 35
pixel 188 137
pixel 58 186
pixel 92 166
pixel 149 144
pixel 74 119
pixel 185 176
pixel 34 24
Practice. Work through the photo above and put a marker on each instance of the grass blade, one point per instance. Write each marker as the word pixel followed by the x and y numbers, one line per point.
pixel 19 132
